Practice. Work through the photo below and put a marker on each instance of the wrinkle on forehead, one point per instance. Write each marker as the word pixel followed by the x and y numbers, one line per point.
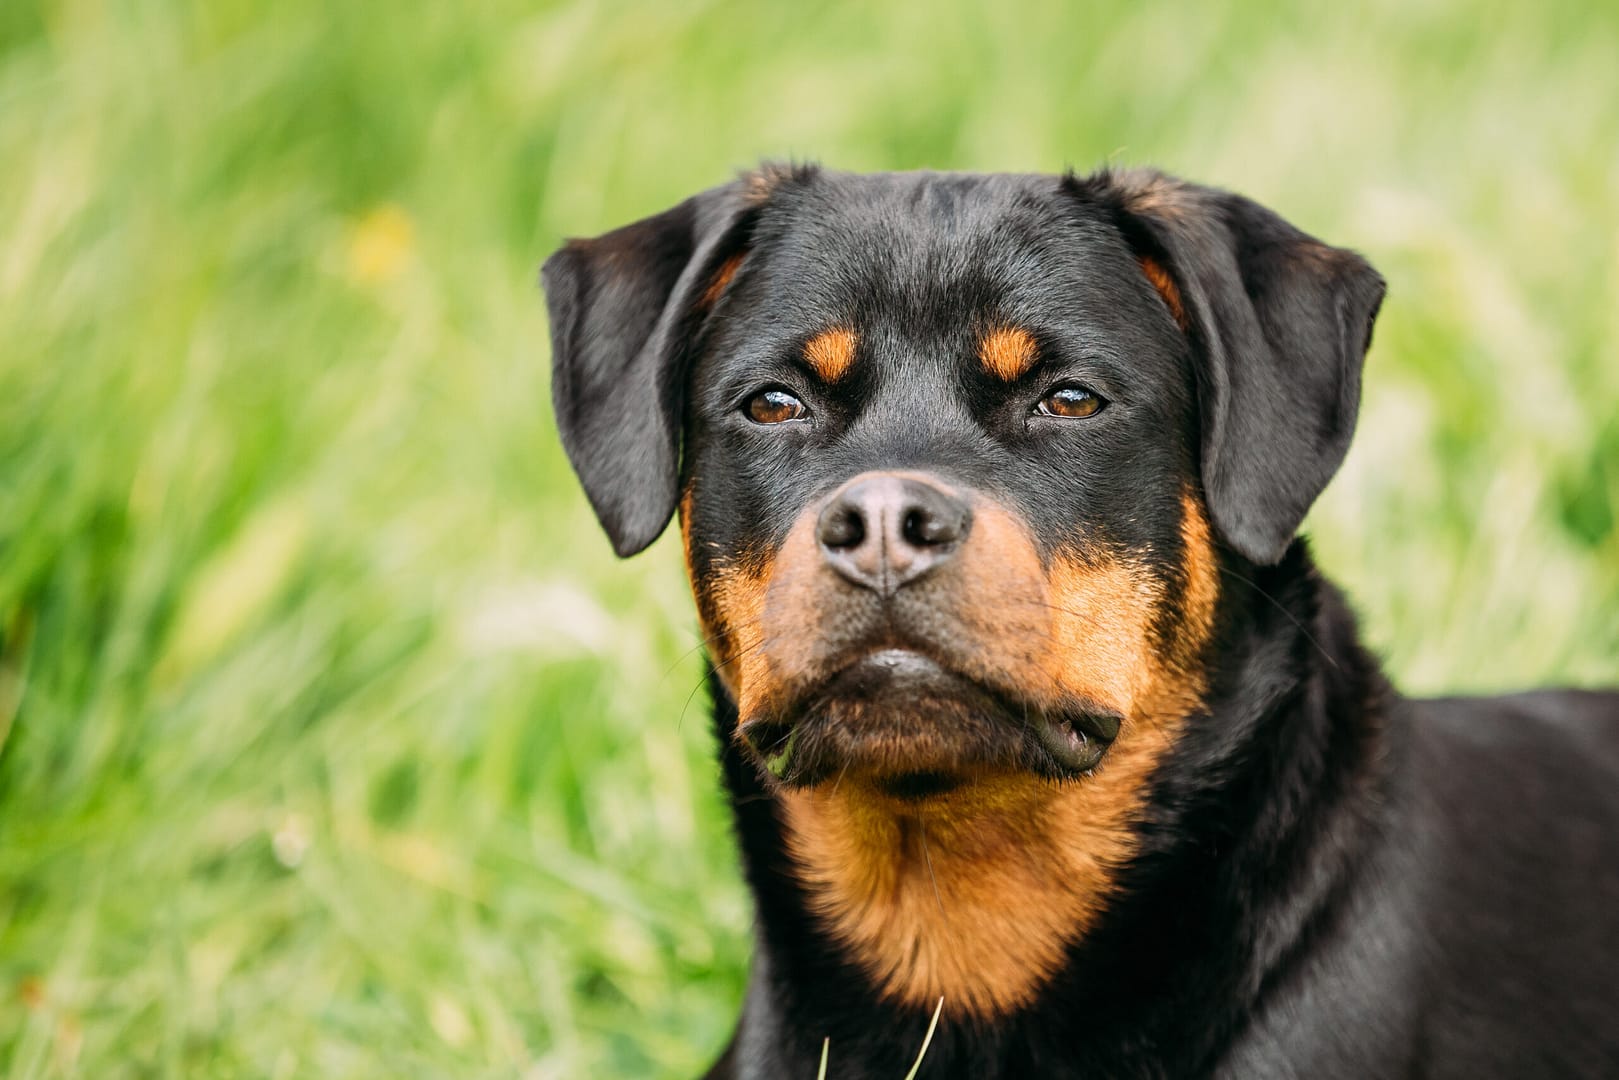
pixel 928 262
pixel 886 240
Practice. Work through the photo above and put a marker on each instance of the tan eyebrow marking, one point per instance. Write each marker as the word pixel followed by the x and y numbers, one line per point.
pixel 1166 287
pixel 831 352
pixel 1007 352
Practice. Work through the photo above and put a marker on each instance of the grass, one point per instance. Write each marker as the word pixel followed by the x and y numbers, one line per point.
pixel 333 741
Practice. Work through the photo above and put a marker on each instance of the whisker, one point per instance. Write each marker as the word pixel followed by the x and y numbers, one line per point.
pixel 681 719
pixel 711 639
pixel 1277 604
pixel 928 859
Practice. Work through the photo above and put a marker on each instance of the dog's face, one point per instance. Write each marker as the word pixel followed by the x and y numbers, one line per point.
pixel 957 457
pixel 938 466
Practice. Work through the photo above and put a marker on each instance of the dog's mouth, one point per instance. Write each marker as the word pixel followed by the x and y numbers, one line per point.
pixel 916 729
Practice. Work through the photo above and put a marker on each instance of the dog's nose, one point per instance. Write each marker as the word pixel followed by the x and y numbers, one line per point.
pixel 882 531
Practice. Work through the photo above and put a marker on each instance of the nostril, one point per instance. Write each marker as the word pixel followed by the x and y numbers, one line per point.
pixel 916 528
pixel 923 528
pixel 844 527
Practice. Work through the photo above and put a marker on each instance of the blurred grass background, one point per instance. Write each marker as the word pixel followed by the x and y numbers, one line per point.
pixel 333 741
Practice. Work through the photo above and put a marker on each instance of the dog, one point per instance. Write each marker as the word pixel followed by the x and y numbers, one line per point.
pixel 1036 717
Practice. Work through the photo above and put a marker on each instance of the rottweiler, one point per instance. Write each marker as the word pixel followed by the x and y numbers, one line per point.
pixel 1028 698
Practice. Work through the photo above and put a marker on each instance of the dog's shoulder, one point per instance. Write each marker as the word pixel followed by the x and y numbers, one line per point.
pixel 1507 865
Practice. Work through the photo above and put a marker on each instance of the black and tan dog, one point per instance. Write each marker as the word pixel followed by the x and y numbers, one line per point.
pixel 1028 698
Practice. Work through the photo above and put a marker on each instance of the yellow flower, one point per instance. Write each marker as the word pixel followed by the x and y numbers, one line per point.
pixel 380 244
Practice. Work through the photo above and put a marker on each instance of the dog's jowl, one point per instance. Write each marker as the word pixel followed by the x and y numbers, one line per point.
pixel 1028 698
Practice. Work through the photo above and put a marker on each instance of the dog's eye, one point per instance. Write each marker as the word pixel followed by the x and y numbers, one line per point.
pixel 775 407
pixel 1071 402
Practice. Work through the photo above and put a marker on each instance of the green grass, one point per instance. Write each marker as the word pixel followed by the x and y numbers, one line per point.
pixel 334 742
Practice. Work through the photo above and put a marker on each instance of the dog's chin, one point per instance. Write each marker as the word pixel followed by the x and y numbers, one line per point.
pixel 900 722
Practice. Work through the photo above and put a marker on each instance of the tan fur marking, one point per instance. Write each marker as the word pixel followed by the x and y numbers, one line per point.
pixel 831 352
pixel 1101 646
pixel 1007 352
pixel 731 608
pixel 1202 578
pixel 1166 287
pixel 684 511
pixel 730 601
pixel 722 277
pixel 974 898
pixel 978 894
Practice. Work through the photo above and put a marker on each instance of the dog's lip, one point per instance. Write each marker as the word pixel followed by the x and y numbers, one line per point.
pixel 880 670
pixel 1076 739
pixel 904 665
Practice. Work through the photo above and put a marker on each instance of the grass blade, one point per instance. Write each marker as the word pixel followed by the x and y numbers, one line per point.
pixel 926 1040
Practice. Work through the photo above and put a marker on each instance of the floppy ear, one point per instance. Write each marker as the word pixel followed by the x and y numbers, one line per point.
pixel 624 309
pixel 1281 322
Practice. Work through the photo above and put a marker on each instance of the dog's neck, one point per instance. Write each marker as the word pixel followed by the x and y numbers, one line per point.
pixel 1020 897
pixel 974 897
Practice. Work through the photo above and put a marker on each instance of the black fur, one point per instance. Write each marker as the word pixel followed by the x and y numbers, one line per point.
pixel 1282 322
pixel 1332 880
pixel 620 310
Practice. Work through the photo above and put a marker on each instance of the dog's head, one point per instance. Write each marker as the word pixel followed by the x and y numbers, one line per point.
pixel 957 458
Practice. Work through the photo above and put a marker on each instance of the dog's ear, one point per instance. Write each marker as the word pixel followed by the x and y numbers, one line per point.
pixel 1281 323
pixel 624 309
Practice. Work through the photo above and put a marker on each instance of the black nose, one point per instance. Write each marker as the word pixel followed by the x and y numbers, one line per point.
pixel 882 531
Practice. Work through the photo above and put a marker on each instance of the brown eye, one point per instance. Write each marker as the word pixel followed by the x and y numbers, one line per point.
pixel 1071 402
pixel 776 407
